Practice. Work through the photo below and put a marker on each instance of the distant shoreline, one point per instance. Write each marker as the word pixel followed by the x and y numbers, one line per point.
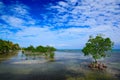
pixel 80 49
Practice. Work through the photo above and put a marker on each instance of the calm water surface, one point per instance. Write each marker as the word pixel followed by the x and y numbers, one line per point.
pixel 67 65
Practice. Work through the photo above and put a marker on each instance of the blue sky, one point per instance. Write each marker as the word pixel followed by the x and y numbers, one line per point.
pixel 64 24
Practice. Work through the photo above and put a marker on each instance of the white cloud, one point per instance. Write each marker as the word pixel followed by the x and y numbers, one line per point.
pixel 86 17
pixel 16 15
pixel 13 21
pixel 82 18
pixel 63 38
pixel 86 12
pixel 63 4
pixel 19 9
pixel 35 35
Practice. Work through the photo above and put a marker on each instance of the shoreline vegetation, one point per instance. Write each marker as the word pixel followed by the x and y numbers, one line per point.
pixel 47 51
pixel 8 47
pixel 96 47
pixel 42 54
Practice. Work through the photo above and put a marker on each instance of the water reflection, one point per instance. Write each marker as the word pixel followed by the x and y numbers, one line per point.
pixel 7 56
pixel 66 66
pixel 37 55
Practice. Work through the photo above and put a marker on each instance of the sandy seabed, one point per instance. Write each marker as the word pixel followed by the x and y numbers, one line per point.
pixel 29 62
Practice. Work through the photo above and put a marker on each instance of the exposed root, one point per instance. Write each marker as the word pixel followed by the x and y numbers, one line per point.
pixel 99 66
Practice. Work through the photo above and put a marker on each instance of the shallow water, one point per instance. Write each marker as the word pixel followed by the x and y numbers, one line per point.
pixel 67 65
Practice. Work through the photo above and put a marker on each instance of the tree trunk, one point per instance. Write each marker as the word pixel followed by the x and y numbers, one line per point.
pixel 95 61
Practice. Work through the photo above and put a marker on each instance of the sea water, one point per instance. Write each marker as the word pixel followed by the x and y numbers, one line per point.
pixel 67 65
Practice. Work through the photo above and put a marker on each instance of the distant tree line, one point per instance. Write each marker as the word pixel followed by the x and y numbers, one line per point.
pixel 48 51
pixel 7 46
pixel 42 49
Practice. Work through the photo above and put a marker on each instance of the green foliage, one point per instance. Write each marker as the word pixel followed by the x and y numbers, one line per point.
pixel 41 49
pixel 30 48
pixel 7 46
pixel 52 55
pixel 97 47
pixel 48 51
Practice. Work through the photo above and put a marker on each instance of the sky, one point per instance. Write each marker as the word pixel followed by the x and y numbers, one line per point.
pixel 64 24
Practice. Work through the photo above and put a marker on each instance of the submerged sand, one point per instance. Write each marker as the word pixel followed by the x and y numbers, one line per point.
pixel 30 62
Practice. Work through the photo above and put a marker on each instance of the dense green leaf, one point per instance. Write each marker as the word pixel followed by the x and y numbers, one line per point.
pixel 97 47
pixel 7 46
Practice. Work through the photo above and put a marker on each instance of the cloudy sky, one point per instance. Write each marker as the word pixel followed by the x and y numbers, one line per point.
pixel 59 23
